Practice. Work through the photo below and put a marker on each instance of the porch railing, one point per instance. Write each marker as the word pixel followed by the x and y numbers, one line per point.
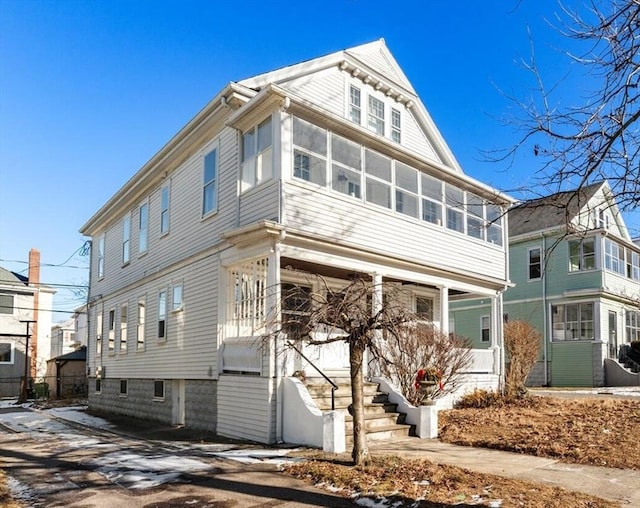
pixel 334 386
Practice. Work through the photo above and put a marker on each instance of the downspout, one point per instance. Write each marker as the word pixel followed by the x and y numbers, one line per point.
pixel 545 325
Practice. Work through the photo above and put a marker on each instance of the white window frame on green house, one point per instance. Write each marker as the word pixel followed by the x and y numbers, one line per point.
pixel 7 303
pixel 126 239
pixel 257 155
pixel 569 320
pixel 485 329
pixel 631 325
pixel 141 315
pixel 210 182
pixel 143 228
pixel 165 206
pixel 581 259
pixel 614 260
pixel 7 352
pixel 124 316
pixel 534 263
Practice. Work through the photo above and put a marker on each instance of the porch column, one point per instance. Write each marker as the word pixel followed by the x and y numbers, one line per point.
pixel 497 335
pixel 277 363
pixel 376 305
pixel 444 310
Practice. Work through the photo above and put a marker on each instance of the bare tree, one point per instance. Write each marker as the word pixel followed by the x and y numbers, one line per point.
pixel 353 314
pixel 421 346
pixel 597 135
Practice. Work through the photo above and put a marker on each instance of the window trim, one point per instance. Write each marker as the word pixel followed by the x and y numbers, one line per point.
pixel 531 265
pixel 143 228
pixel 111 331
pixel 141 321
pixel 484 328
pixel 165 209
pixel 101 247
pixel 155 385
pixel 124 328
pixel 579 321
pixel 396 127
pixel 99 333
pixel 13 304
pixel 581 255
pixel 162 315
pixel 126 239
pixel 257 157
pixel 180 307
pixel 208 183
pixel 12 351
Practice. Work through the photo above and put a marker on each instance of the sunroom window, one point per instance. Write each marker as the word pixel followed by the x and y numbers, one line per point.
pixel 346 166
pixel 573 321
pixel 454 199
pixel 475 216
pixel 406 190
pixel 257 159
pixel 378 179
pixel 432 199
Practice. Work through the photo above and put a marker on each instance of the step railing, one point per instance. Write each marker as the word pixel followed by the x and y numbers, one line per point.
pixel 334 386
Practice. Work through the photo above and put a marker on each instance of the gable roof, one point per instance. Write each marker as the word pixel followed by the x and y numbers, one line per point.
pixel 550 212
pixel 9 277
pixel 79 354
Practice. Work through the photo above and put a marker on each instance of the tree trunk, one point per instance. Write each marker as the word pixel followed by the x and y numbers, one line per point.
pixel 360 452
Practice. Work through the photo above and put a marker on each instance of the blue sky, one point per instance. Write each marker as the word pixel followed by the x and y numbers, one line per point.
pixel 90 90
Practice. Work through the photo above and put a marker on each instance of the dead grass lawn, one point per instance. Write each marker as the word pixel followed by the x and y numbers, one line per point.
pixel 586 431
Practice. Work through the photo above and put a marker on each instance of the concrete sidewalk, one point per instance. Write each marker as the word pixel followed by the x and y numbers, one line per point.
pixel 621 485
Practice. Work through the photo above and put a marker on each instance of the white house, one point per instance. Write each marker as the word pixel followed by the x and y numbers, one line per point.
pixel 329 167
pixel 25 316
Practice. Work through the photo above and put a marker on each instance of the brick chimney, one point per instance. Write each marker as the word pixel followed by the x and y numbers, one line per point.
pixel 34 281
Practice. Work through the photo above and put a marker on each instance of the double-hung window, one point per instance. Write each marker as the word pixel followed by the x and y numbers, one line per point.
pixel 99 334
pixel 485 328
pixel 614 257
pixel 376 115
pixel 582 254
pixel 143 227
pixel 355 105
pixel 112 331
pixel 6 352
pixel 101 242
pixel 162 315
pixel 176 298
pixel 395 125
pixel 535 263
pixel 140 325
pixel 257 159
pixel 210 184
pixel 6 304
pixel 407 201
pixel 123 327
pixel 126 239
pixel 494 229
pixel 164 209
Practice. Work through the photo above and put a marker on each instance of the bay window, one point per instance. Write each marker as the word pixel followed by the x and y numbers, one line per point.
pixel 573 321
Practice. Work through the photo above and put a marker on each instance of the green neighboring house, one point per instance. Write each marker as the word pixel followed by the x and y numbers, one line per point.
pixel 576 276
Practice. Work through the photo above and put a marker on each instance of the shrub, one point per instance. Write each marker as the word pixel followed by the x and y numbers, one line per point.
pixel 422 346
pixel 478 399
pixel 522 346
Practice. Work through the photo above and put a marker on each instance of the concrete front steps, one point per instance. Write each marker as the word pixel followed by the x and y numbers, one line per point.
pixel 382 421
